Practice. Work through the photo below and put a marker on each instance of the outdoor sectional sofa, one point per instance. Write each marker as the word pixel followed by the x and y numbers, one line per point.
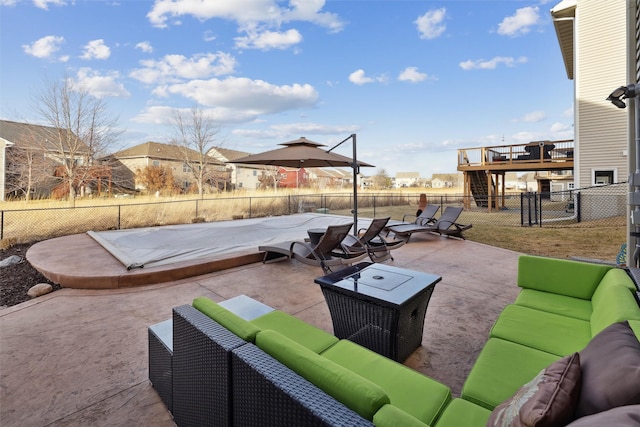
pixel 567 351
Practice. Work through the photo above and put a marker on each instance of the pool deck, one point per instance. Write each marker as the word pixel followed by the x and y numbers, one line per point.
pixel 79 356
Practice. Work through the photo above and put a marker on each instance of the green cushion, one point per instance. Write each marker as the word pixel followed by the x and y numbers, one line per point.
pixel 391 416
pixel 544 331
pixel 502 367
pixel 352 390
pixel 553 303
pixel 291 327
pixel 618 276
pixel 461 412
pixel 242 328
pixel 612 302
pixel 403 385
pixel 571 278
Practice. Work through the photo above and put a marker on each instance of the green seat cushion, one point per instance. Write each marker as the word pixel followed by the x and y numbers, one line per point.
pixel 297 330
pixel 406 388
pixel 355 392
pixel 461 412
pixel 560 276
pixel 544 331
pixel 236 324
pixel 391 416
pixel 612 302
pixel 502 367
pixel 554 303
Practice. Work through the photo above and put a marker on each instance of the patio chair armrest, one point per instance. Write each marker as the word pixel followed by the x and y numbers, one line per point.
pixel 405 216
pixel 425 221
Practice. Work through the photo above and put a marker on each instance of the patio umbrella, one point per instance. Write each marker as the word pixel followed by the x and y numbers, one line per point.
pixel 302 152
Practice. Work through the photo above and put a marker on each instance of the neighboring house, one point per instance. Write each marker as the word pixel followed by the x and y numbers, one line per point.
pixel 446 180
pixel 407 179
pixel 593 41
pixel 126 163
pixel 329 177
pixel 293 177
pixel 242 176
pixel 19 141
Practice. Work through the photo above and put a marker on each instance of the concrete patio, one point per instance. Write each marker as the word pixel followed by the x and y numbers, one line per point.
pixel 79 357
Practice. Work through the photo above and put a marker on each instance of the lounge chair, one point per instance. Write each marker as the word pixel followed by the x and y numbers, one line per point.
pixel 329 254
pixel 427 216
pixel 378 247
pixel 445 225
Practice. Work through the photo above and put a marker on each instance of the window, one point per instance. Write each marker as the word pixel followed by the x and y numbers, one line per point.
pixel 255 173
pixel 186 168
pixel 155 163
pixel 571 186
pixel 603 177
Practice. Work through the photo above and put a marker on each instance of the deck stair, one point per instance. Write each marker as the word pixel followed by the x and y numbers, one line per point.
pixel 480 188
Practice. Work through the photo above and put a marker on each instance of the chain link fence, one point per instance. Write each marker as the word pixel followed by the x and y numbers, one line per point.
pixel 595 207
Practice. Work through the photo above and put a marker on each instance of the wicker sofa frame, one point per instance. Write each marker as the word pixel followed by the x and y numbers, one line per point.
pixel 220 379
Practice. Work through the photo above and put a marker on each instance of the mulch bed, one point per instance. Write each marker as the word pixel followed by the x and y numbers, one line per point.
pixel 17 279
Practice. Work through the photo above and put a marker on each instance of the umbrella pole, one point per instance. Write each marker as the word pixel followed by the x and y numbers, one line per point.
pixel 356 171
pixel 354 166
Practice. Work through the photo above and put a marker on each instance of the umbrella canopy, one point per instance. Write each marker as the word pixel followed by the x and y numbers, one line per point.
pixel 302 152
pixel 299 153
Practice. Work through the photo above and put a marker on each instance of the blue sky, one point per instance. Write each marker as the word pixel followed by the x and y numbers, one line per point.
pixel 415 80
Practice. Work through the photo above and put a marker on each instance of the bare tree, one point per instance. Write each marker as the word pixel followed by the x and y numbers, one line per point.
pixel 381 179
pixel 26 168
pixel 83 130
pixel 196 135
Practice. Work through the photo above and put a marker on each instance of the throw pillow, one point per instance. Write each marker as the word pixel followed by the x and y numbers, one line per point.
pixel 610 370
pixel 547 400
pixel 623 416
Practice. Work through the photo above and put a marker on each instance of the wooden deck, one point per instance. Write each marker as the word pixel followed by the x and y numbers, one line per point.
pixel 534 156
pixel 484 168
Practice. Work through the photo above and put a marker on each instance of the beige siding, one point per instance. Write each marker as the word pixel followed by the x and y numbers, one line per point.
pixel 601 128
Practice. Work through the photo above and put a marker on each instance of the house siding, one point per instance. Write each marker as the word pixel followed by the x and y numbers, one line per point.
pixel 601 128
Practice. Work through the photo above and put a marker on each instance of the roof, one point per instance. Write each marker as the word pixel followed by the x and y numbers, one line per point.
pixel 157 150
pixel 563 15
pixel 22 135
pixel 228 154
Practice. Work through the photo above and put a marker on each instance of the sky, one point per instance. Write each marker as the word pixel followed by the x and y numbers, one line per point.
pixel 415 80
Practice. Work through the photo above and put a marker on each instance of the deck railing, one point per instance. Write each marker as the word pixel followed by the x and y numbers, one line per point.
pixel 516 154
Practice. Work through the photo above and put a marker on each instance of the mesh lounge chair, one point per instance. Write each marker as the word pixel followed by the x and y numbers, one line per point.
pixel 329 253
pixel 378 248
pixel 445 225
pixel 427 216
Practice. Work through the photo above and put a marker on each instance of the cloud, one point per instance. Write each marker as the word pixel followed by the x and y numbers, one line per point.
pixel 430 24
pixel 243 12
pixel 559 127
pixel 164 115
pixel 145 46
pixel 492 63
pixel 292 130
pixel 96 49
pixel 358 77
pixel 411 74
pixel 44 47
pixel 248 97
pixel 99 85
pixel 44 4
pixel 268 40
pixel 174 68
pixel 520 23
pixel 532 117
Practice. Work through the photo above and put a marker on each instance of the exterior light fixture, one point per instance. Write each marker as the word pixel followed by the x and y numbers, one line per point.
pixel 623 92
